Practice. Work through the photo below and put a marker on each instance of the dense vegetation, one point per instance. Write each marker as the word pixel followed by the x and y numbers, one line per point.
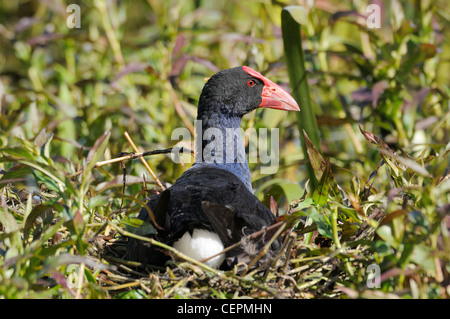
pixel 369 218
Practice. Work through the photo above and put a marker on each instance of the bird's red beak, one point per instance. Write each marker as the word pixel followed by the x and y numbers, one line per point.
pixel 273 96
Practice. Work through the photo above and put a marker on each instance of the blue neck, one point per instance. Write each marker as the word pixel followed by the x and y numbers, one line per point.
pixel 219 144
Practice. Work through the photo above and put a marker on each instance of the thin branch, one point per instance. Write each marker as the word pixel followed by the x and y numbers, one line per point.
pixel 147 166
pixel 265 249
pixel 131 156
pixel 252 236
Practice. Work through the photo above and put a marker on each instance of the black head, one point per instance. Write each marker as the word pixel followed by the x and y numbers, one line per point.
pixel 237 91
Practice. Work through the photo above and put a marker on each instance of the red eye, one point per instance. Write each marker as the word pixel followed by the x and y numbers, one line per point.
pixel 251 83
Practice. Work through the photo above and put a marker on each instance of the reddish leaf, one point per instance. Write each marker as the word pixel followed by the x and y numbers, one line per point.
pixel 375 140
pixel 129 68
pixel 378 89
pixel 317 162
pixel 273 206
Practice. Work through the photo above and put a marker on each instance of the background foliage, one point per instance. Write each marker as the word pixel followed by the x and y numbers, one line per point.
pixel 381 98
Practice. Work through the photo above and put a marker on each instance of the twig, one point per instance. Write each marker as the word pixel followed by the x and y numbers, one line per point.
pixel 80 281
pixel 128 156
pixel 178 108
pixel 144 161
pixel 254 235
pixel 110 34
pixel 264 250
pixel 288 247
pixel 123 286
pixel 180 283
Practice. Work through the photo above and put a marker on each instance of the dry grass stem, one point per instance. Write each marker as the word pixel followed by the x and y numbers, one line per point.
pixel 147 166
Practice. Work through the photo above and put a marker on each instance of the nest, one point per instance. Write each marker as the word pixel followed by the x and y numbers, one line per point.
pixel 299 271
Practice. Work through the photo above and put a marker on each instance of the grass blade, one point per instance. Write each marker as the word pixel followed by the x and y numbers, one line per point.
pixel 295 61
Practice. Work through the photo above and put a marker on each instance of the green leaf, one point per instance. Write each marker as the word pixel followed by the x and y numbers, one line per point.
pixel 38 244
pixel 423 257
pixel 89 276
pixel 8 222
pixel 49 182
pixel 138 226
pixel 297 13
pixel 408 162
pixel 315 158
pixel 385 232
pixel 299 205
pixel 418 55
pixel 133 294
pixel 17 152
pixel 292 191
pixel 382 248
pixel 295 60
pixel 43 141
pixel 32 216
pixel 97 201
pixel 322 221
pixel 47 171
pixel 76 226
pixel 94 155
pixel 321 193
